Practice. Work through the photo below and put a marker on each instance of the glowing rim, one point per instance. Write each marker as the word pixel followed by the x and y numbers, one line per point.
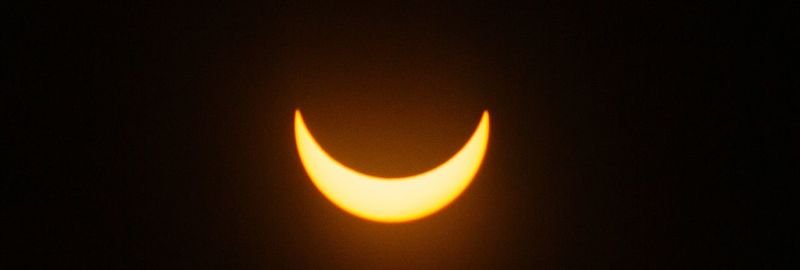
pixel 391 199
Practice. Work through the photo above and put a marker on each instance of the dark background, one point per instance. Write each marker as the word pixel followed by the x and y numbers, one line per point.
pixel 160 136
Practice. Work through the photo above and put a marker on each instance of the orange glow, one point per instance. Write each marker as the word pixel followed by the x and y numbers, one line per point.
pixel 391 199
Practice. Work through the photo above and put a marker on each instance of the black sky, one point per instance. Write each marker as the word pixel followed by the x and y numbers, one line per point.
pixel 160 136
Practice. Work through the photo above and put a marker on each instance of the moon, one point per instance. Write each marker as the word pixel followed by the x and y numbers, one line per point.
pixel 391 200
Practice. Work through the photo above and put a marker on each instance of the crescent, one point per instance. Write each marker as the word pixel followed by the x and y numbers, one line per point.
pixel 391 199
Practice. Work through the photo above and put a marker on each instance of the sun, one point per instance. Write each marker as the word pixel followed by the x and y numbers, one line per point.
pixel 391 199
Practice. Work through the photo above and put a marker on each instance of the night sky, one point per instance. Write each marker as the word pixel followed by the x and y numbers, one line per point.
pixel 161 136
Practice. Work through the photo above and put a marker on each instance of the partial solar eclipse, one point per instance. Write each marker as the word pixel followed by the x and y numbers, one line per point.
pixel 391 199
